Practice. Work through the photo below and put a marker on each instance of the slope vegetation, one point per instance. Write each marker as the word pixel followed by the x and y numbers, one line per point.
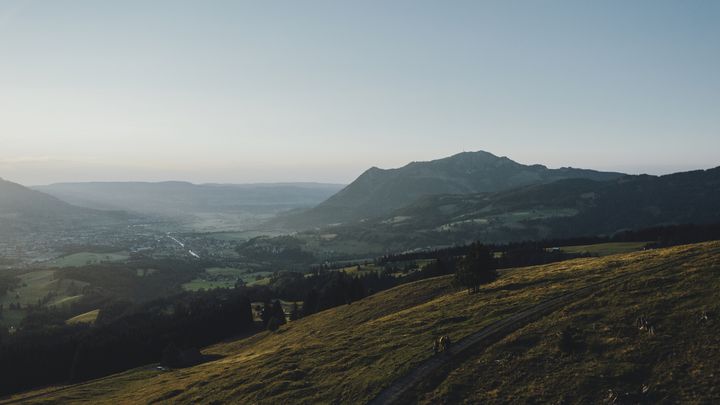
pixel 350 354
pixel 605 355
pixel 565 208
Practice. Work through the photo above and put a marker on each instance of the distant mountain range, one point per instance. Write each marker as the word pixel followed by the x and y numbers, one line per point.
pixel 379 192
pixel 565 208
pixel 200 207
pixel 466 197
pixel 177 198
pixel 23 209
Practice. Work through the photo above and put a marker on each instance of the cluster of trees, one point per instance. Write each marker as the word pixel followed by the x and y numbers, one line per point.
pixel 671 235
pixel 273 315
pixel 327 289
pixel 46 351
pixel 7 283
pixel 478 267
pixel 284 252
pixel 476 264
pixel 129 333
pixel 122 280
pixel 536 252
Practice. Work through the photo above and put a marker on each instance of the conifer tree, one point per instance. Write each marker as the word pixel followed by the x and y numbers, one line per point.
pixel 477 268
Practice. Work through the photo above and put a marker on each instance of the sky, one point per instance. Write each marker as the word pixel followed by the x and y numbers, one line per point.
pixel 263 91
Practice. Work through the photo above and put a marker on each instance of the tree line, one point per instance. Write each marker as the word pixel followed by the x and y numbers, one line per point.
pixel 659 236
pixel 46 350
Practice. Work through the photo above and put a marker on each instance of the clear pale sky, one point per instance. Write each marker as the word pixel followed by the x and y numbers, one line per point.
pixel 231 91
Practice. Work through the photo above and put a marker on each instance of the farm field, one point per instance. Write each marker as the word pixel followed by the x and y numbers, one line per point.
pixel 36 286
pixel 261 281
pixel 359 269
pixel 605 249
pixel 86 258
pixel 88 317
pixel 349 353
pixel 402 267
pixel 241 235
pixel 199 284
pixel 225 277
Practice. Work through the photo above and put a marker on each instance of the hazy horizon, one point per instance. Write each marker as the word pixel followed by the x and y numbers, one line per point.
pixel 250 181
pixel 241 92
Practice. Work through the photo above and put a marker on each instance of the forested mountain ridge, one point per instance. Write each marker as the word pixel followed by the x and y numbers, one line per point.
pixel 564 208
pixel 379 192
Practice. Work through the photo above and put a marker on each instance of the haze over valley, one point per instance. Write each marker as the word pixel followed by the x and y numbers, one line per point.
pixel 396 202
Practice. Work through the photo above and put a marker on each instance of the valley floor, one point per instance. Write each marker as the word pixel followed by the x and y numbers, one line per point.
pixel 584 352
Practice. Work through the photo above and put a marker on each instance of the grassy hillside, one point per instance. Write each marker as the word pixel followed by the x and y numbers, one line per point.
pixel 88 317
pixel 605 249
pixel 87 258
pixel 348 354
pixel 678 363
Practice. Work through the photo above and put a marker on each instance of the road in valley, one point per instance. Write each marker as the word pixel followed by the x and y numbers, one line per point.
pixel 182 245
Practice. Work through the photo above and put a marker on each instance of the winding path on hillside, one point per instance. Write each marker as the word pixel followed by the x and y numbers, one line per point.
pixel 398 389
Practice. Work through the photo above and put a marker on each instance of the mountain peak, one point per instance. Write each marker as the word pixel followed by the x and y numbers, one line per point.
pixel 378 192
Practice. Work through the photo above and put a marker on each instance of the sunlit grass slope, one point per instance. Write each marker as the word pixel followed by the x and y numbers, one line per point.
pixel 87 258
pixel 605 249
pixel 348 354
pixel 88 317
pixel 678 363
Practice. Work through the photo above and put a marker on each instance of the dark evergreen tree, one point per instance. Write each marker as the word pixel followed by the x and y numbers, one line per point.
pixel 310 302
pixel 477 268
pixel 171 355
pixel 278 312
pixel 273 309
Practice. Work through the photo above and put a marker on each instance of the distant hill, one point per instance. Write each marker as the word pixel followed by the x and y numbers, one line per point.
pixel 205 206
pixel 564 208
pixel 175 197
pixel 378 192
pixel 23 209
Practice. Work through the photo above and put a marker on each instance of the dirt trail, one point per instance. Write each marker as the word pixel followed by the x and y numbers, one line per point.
pixel 397 390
